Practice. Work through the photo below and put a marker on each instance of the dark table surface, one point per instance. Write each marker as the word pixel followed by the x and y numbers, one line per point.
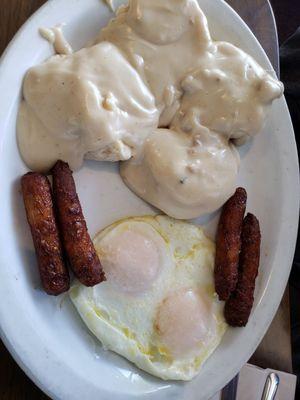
pixel 14 384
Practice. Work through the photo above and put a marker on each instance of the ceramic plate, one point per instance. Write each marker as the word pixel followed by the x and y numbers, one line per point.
pixel 44 334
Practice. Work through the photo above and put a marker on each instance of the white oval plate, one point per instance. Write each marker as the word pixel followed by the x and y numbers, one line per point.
pixel 44 334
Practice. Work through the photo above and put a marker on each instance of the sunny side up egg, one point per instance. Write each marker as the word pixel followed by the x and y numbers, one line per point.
pixel 158 307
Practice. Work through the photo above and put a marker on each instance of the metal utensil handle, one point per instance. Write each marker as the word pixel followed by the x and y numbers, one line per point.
pixel 271 387
pixel 230 390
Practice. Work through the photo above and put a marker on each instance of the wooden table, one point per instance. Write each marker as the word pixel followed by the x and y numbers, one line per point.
pixel 14 385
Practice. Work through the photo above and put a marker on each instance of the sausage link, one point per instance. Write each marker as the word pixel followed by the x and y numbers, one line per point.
pixel 228 244
pixel 238 307
pixel 38 202
pixel 76 240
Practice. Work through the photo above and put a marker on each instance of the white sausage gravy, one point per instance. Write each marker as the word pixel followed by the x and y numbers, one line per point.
pixel 154 90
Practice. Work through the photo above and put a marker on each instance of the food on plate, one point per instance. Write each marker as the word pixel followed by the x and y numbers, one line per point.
pixel 228 244
pixel 158 307
pixel 174 171
pixel 110 4
pixel 59 217
pixel 78 245
pixel 38 202
pixel 153 90
pixel 237 259
pixel 238 306
pixel 90 104
pixel 56 37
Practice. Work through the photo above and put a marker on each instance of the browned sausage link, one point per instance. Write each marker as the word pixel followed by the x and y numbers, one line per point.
pixel 228 244
pixel 37 196
pixel 77 242
pixel 239 305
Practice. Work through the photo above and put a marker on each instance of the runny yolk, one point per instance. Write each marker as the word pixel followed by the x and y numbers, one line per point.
pixel 183 322
pixel 131 261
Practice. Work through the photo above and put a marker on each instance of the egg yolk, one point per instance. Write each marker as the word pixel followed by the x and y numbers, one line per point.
pixel 131 261
pixel 183 322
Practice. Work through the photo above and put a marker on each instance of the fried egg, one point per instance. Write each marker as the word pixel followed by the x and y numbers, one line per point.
pixel 158 307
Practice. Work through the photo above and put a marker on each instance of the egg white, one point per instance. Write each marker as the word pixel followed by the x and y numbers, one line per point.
pixel 125 322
